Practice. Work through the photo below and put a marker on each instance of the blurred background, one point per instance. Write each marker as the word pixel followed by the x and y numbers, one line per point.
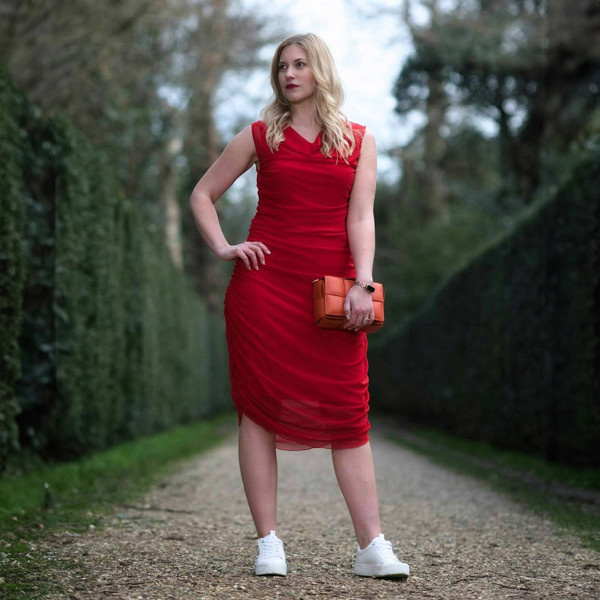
pixel 488 125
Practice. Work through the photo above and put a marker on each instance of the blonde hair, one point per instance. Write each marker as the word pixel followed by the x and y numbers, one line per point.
pixel 329 95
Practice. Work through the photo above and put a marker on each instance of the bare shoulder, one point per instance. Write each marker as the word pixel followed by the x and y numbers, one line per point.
pixel 368 139
pixel 243 140
pixel 368 150
pixel 237 157
pixel 241 147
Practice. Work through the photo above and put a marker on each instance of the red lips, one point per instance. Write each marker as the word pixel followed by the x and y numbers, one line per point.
pixel 289 86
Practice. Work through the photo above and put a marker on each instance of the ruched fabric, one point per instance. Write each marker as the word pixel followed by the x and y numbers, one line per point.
pixel 307 385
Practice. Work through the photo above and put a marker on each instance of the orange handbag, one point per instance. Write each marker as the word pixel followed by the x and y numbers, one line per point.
pixel 329 295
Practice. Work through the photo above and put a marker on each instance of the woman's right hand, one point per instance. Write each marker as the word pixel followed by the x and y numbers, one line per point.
pixel 251 253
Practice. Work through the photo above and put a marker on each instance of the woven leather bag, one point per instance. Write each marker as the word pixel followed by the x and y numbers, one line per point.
pixel 329 295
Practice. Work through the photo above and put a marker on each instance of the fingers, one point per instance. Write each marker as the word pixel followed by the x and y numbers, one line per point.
pixel 351 316
pixel 357 320
pixel 347 308
pixel 358 313
pixel 252 254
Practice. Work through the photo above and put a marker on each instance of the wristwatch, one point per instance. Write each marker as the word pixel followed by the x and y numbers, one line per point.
pixel 367 286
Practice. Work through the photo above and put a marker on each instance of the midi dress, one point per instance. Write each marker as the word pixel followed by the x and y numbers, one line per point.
pixel 308 386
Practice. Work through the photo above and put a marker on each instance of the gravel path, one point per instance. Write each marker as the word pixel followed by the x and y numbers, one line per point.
pixel 192 537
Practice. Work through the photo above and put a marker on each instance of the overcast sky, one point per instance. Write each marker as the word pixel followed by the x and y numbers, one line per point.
pixel 369 52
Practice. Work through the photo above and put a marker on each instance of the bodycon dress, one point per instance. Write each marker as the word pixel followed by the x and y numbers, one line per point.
pixel 308 386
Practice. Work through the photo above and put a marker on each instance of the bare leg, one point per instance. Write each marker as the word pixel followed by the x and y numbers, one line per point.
pixel 258 465
pixel 356 477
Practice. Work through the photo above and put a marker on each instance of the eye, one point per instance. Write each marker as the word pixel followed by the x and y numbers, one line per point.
pixel 282 67
pixel 301 63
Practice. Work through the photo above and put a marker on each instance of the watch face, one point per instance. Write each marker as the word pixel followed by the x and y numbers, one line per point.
pixel 371 288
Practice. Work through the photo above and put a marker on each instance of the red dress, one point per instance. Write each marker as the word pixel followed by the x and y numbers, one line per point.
pixel 307 385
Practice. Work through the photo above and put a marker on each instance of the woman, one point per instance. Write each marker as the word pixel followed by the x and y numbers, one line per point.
pixel 296 386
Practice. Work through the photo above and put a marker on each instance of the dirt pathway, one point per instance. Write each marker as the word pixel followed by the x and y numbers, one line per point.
pixel 192 537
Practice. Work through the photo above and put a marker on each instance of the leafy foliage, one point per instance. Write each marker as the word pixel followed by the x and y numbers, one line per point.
pixel 12 259
pixel 507 350
pixel 507 93
pixel 140 79
pixel 415 254
pixel 110 338
pixel 532 68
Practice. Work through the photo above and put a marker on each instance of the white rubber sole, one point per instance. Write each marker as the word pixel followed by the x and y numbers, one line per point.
pixel 273 568
pixel 391 572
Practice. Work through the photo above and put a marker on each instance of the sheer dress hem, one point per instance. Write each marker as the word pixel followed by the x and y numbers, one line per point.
pixel 289 445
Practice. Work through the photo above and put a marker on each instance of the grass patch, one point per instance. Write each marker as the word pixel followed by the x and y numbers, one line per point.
pixel 569 496
pixel 73 496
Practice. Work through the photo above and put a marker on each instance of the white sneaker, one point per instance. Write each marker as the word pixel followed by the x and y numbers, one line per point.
pixel 378 560
pixel 271 556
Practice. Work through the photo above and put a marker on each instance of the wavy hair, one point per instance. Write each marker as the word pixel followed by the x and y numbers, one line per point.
pixel 337 132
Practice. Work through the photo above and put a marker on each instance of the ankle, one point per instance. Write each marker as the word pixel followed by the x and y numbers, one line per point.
pixel 365 539
pixel 265 532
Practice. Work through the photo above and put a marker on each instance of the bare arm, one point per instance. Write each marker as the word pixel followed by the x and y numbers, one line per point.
pixel 238 156
pixel 360 225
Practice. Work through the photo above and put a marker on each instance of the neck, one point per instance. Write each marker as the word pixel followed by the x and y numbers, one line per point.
pixel 305 115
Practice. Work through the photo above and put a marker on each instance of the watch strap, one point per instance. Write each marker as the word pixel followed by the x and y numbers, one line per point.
pixel 367 286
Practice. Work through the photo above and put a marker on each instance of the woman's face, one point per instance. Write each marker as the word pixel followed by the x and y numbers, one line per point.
pixel 295 75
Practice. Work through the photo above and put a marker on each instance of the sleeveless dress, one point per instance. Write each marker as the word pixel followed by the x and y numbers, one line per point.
pixel 308 386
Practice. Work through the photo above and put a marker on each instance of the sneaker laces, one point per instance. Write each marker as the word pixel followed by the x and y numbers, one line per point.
pixel 271 546
pixel 384 548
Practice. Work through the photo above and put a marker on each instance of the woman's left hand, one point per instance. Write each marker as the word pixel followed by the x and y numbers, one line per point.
pixel 358 308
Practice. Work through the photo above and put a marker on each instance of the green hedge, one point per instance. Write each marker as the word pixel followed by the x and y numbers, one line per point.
pixel 103 339
pixel 12 260
pixel 507 350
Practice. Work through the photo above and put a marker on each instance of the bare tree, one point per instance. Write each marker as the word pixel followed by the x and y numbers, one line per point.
pixel 224 39
pixel 109 66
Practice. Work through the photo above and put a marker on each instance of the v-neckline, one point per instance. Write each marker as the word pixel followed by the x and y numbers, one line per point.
pixel 317 139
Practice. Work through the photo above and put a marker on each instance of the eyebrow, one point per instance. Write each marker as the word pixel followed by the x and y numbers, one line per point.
pixel 282 62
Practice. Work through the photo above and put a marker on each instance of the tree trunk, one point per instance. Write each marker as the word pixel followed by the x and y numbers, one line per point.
pixel 434 190
pixel 202 144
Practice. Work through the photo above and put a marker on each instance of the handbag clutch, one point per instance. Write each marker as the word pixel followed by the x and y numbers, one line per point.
pixel 329 295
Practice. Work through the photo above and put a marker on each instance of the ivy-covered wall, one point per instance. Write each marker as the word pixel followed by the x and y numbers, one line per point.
pixel 101 337
pixel 508 350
